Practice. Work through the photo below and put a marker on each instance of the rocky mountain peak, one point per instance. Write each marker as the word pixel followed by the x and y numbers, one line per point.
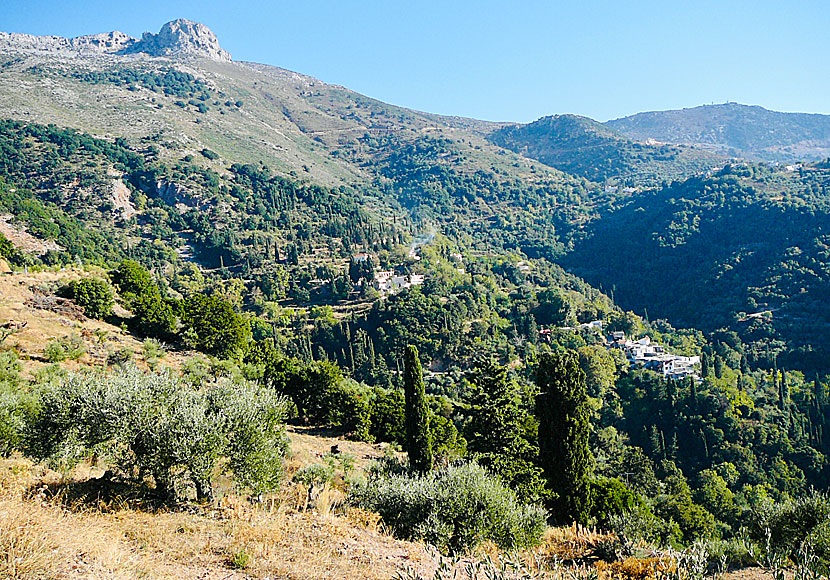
pixel 182 37
pixel 177 38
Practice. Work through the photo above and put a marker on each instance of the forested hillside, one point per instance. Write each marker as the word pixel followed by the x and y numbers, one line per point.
pixel 743 250
pixel 584 147
pixel 544 324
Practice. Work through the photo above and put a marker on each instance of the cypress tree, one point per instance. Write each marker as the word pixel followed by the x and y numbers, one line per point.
pixel 704 364
pixel 562 409
pixel 718 366
pixel 418 444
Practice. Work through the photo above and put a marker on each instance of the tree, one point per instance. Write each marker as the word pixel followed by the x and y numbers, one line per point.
pixel 418 444
pixel 497 433
pixel 562 409
pixel 93 295
pixel 214 327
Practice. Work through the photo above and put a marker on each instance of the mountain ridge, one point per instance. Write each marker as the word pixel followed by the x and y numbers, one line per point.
pixel 749 131
pixel 180 37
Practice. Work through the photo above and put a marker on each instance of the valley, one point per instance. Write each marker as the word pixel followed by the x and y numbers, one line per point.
pixel 256 325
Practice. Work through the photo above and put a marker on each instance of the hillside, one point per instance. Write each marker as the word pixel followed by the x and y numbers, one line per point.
pixel 742 250
pixel 735 130
pixel 584 147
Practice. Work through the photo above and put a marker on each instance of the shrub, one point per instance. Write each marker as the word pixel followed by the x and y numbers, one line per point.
pixel 454 508
pixel 153 316
pixel 153 351
pixel 14 405
pixel 132 279
pixel 155 425
pixel 610 497
pixel 641 524
pixel 386 413
pixel 93 295
pixel 791 523
pixel 60 349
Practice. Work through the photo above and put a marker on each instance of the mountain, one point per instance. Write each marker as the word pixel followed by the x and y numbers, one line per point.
pixel 177 38
pixel 736 130
pixel 584 147
pixel 160 150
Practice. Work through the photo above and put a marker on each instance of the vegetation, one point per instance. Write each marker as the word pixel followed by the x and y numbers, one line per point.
pixel 562 407
pixel 518 403
pixel 453 508
pixel 93 295
pixel 155 425
pixel 418 444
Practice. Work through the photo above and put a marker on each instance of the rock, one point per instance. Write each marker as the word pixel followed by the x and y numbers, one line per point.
pixel 179 38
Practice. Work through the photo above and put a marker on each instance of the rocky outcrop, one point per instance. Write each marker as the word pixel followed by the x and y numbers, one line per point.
pixel 179 38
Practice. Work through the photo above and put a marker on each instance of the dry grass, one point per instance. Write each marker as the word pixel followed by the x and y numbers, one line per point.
pixel 42 538
pixel 19 296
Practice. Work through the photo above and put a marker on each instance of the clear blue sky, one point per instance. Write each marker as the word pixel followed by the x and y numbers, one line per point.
pixel 512 61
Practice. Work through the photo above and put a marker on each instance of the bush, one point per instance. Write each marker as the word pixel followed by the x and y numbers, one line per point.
pixel 60 349
pixel 14 404
pixel 641 524
pixel 93 295
pixel 789 524
pixel 155 425
pixel 386 414
pixel 454 508
pixel 611 497
pixel 133 279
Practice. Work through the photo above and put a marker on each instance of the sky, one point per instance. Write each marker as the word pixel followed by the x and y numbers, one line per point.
pixel 503 61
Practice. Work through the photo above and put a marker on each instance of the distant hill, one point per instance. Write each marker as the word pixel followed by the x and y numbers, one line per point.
pixel 737 130
pixel 584 147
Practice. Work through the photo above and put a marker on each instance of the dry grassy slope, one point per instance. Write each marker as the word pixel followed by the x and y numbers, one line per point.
pixel 18 296
pixel 291 122
pixel 41 538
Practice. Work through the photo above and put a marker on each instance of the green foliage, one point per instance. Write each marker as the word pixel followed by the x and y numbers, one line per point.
pixel 562 409
pixel 677 505
pixel 168 81
pixel 497 432
pixel 14 404
pixel 10 253
pixel 789 524
pixel 212 326
pixel 133 280
pixel 93 295
pixel 153 424
pixel 418 443
pixel 610 497
pixel 386 415
pixel 60 349
pixel 454 508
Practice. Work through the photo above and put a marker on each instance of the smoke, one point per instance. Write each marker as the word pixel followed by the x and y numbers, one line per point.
pixel 421 239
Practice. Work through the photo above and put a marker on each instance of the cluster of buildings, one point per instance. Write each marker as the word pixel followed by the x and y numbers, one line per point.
pixel 641 353
pixel 652 356
pixel 387 282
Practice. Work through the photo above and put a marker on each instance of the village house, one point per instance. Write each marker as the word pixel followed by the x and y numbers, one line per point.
pixel 643 353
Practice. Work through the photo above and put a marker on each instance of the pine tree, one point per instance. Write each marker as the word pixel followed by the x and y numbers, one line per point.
pixel 418 444
pixel 562 409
